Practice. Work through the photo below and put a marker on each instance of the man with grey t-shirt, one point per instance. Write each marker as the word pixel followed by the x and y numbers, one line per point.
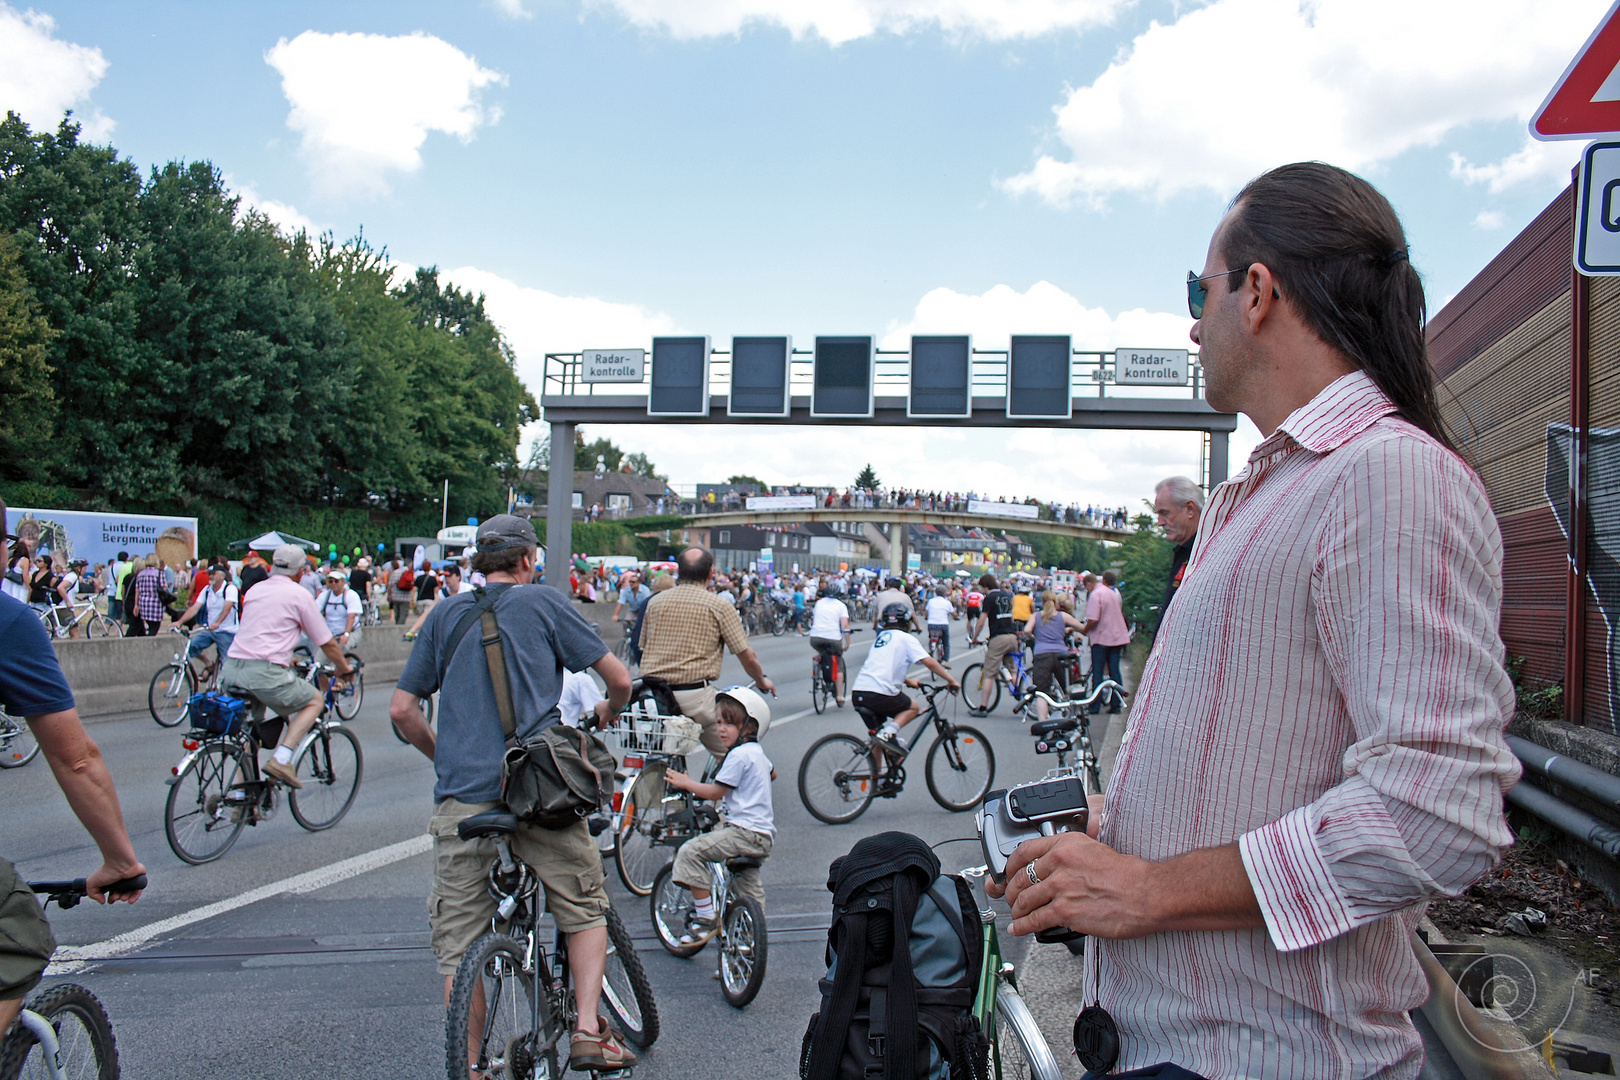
pixel 541 634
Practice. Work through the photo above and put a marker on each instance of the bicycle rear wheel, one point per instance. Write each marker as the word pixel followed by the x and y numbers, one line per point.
pixel 17 743
pixel 200 824
pixel 100 626
pixel 509 1043
pixel 1020 1048
pixel 347 701
pixel 973 680
pixel 330 769
pixel 625 990
pixel 742 950
pixel 960 768
pixel 838 778
pixel 168 698
pixel 639 849
pixel 818 689
pixel 84 1037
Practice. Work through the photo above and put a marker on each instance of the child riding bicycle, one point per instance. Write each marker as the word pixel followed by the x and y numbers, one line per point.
pixel 743 788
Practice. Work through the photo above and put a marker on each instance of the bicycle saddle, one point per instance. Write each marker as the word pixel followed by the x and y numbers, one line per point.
pixel 1052 727
pixel 869 718
pixel 744 862
pixel 489 823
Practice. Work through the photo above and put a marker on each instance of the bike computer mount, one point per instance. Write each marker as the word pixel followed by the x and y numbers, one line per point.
pixel 1011 816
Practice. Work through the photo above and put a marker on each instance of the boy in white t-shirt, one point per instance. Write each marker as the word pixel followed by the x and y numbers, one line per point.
pixel 743 787
pixel 940 609
pixel 876 692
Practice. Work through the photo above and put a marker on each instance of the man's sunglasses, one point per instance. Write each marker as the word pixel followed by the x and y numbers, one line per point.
pixel 1197 292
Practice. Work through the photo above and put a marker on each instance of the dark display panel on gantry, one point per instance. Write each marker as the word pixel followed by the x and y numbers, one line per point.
pixel 843 377
pixel 759 376
pixel 1038 377
pixel 680 377
pixel 941 376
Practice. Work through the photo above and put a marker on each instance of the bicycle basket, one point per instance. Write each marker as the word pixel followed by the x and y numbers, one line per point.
pixel 642 727
pixel 214 713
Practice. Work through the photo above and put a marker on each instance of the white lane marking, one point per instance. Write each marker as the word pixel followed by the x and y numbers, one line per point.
pixel 790 719
pixel 74 958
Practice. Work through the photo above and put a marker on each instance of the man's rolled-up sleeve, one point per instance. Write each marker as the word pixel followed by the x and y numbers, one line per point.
pixel 1408 591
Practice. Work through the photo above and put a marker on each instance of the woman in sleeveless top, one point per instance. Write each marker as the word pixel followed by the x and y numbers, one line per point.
pixel 1051 626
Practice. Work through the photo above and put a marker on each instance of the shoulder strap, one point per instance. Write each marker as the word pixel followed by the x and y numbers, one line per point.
pixel 483 598
pixel 498 677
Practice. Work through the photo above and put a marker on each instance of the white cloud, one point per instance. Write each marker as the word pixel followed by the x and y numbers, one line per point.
pixel 995 315
pixel 1488 220
pixel 365 103
pixel 839 21
pixel 283 216
pixel 1238 86
pixel 41 76
pixel 1533 161
pixel 512 9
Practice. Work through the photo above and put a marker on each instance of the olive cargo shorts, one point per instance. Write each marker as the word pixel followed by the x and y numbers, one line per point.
pixel 460 907
pixel 26 942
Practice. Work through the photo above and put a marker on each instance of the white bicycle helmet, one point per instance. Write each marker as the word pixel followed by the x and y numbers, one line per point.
pixel 753 703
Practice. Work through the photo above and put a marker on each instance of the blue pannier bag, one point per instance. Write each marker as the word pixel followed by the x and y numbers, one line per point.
pixel 216 713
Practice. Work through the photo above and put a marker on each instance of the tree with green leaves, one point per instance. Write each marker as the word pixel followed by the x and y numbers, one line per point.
pixel 29 415
pixel 1144 559
pixel 868 480
pixel 746 479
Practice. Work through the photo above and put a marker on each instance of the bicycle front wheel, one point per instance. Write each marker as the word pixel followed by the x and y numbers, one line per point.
pixel 17 743
pixel 640 848
pixel 168 698
pixel 818 692
pixel 742 950
pixel 961 767
pixel 330 769
pixel 625 990
pixel 200 824
pixel 84 1036
pixel 973 680
pixel 517 1035
pixel 347 701
pixel 672 906
pixel 100 626
pixel 1020 1048
pixel 837 779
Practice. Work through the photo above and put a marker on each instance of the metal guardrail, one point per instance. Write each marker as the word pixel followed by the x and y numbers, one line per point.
pixel 1088 370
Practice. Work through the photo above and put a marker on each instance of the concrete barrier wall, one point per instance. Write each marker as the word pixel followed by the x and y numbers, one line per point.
pixel 110 676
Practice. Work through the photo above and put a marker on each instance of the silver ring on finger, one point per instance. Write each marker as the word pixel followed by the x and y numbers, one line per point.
pixel 1029 869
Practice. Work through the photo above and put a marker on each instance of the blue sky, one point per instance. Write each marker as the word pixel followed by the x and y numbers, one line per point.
pixel 609 169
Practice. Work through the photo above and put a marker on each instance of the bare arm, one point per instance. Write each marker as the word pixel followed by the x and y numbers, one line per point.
pixel 617 677
pixel 405 710
pixel 81 772
pixel 750 662
pixel 939 669
pixel 334 653
pixel 681 782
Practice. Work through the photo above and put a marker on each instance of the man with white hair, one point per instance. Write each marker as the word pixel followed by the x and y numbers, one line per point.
pixel 259 660
pixel 1177 503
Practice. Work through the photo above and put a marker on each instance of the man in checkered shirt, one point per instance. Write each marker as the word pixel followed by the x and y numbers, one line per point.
pixel 683 635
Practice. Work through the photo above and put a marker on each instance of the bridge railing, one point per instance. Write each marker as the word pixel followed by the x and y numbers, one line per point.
pixel 694 506
pixel 1089 371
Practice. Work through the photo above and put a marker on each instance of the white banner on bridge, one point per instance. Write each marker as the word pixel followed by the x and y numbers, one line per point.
pixel 1150 367
pixel 1001 509
pixel 612 365
pixel 782 502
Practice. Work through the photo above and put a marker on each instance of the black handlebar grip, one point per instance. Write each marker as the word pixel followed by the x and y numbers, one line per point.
pixel 128 885
pixel 1057 935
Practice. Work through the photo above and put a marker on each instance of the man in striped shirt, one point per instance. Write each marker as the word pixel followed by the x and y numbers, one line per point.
pixel 1310 757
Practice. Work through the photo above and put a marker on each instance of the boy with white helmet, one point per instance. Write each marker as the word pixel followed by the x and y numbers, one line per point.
pixel 743 788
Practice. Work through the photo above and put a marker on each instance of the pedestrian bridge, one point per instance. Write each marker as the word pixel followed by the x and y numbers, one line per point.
pixel 960 519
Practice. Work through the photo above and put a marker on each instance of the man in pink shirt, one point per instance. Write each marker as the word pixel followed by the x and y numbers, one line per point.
pixel 1106 630
pixel 274 616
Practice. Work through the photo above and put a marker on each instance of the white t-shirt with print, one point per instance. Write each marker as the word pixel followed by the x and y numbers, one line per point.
pixel 940 611
pixel 886 665
pixel 826 613
pixel 747 772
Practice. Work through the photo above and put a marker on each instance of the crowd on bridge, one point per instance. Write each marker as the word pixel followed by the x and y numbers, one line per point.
pixel 950 502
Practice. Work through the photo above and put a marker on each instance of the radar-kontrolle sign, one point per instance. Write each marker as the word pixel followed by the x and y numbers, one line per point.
pixel 1586 102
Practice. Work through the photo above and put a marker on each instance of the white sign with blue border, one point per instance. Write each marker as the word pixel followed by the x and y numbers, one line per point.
pixel 1597 226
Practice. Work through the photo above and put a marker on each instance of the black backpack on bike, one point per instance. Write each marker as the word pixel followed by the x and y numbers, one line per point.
pixel 898 1013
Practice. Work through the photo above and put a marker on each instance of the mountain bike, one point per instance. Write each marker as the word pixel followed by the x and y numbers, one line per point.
pixel 525 995
pixel 177 682
pixel 1017 680
pixel 648 819
pixel 84 610
pixel 741 935
pixel 65 1021
pixel 841 775
pixel 218 787
pixel 17 743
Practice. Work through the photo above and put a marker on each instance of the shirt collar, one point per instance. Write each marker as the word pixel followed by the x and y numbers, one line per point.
pixel 1343 409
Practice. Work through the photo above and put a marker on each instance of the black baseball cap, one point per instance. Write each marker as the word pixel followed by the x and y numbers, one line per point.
pixel 505 531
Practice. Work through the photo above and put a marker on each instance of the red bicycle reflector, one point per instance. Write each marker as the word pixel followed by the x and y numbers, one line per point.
pixel 634 763
pixel 174 770
pixel 968 740
pixel 189 744
pixel 618 801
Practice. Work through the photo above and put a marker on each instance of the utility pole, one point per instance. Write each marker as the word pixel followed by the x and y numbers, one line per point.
pixel 444 506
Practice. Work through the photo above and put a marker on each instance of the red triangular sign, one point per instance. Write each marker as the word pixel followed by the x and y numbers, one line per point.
pixel 1586 100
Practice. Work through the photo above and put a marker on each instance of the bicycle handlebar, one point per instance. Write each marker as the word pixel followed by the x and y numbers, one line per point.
pixel 67 894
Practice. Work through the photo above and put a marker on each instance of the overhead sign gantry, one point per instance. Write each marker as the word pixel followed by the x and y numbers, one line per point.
pixel 939 381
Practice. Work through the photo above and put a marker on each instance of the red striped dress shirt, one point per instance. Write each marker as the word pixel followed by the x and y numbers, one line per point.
pixel 1328 692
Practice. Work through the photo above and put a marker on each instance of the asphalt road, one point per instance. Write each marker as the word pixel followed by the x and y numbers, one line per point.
pixel 229 969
